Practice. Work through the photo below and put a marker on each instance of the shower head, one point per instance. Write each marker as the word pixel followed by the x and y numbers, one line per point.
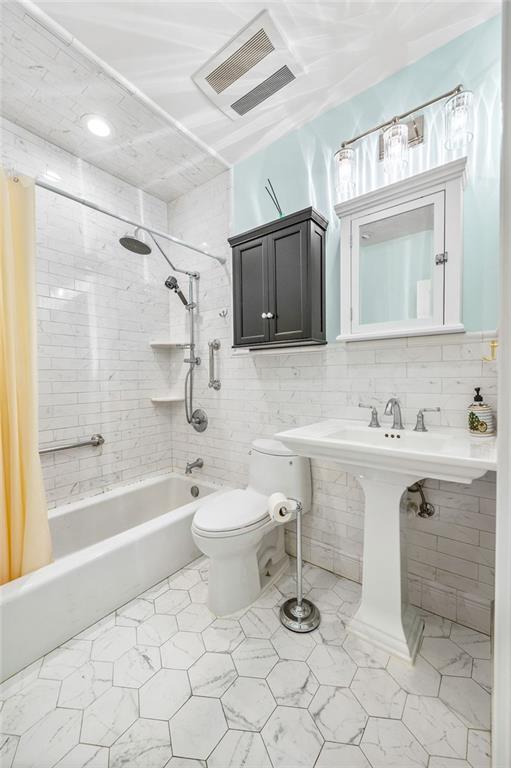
pixel 135 242
pixel 173 285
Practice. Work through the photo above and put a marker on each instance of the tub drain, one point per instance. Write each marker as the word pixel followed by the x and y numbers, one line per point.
pixel 194 490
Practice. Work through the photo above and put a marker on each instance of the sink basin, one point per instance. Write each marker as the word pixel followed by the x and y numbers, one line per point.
pixel 444 454
pixel 386 462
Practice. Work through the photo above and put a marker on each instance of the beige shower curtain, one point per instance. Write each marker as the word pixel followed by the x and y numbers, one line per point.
pixel 24 533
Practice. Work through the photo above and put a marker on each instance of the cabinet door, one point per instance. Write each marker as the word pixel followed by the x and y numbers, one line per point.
pixel 250 285
pixel 288 284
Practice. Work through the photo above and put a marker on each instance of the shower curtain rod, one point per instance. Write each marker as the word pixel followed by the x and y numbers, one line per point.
pixel 95 207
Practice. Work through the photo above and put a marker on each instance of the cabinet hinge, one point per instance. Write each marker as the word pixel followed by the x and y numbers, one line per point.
pixel 441 258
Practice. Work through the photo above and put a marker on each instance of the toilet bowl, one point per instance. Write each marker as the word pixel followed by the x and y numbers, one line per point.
pixel 246 548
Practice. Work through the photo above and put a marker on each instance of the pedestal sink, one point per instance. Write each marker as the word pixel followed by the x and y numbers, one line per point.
pixel 385 463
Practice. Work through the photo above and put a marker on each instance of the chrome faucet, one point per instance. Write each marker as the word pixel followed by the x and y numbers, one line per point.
pixel 393 408
pixel 197 464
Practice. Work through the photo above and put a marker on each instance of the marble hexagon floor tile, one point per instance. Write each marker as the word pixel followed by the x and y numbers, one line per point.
pixel 439 731
pixel 197 728
pixel 338 715
pixel 212 674
pixel 162 683
pixel 239 749
pixel 378 693
pixel 85 685
pixel 255 657
pixel 292 683
pixel 49 739
pixel 146 744
pixel 248 703
pixel 164 694
pixel 389 744
pixel 292 738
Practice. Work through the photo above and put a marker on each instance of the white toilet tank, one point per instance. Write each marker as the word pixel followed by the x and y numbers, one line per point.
pixel 273 467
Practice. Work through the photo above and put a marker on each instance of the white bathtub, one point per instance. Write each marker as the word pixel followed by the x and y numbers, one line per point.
pixel 107 550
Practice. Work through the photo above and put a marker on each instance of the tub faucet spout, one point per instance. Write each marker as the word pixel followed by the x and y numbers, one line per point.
pixel 197 464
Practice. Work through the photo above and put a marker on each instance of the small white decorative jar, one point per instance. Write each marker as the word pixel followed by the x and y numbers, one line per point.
pixel 481 419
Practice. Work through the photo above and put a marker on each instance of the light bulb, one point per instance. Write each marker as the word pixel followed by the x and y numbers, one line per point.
pixel 346 172
pixel 458 112
pixel 395 150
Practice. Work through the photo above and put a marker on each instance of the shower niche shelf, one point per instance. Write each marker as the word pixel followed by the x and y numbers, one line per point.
pixel 165 399
pixel 166 344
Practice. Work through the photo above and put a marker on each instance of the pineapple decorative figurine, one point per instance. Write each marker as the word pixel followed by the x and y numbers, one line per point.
pixel 481 420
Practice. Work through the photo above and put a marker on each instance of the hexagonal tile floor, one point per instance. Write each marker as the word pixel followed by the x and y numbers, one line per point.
pixel 163 683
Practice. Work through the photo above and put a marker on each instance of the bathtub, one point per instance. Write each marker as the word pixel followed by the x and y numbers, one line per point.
pixel 107 549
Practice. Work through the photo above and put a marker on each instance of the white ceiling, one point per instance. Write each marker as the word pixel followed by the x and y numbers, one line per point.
pixel 345 46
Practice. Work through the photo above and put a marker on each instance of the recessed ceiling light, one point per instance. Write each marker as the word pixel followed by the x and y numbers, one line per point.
pixel 97 125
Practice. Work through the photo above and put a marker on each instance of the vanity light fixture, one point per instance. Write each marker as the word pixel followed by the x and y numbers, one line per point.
pixel 97 125
pixel 459 130
pixel 398 134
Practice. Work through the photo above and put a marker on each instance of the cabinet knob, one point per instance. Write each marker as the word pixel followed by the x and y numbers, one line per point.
pixel 269 315
pixel 264 315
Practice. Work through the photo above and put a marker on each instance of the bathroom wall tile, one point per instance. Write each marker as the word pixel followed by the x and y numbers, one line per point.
pixel 94 327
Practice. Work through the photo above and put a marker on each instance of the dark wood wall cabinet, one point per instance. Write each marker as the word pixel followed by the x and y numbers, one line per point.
pixel 279 282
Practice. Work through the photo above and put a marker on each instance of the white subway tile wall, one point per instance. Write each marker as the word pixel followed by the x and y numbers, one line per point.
pixel 98 307
pixel 450 557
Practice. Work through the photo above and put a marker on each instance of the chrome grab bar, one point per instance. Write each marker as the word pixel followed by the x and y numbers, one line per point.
pixel 94 440
pixel 214 346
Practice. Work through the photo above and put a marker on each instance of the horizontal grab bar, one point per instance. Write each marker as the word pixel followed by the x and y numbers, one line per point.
pixel 94 440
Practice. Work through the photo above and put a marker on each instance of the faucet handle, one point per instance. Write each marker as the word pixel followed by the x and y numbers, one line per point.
pixel 374 414
pixel 420 425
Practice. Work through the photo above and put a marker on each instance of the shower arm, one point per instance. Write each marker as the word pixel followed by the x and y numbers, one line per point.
pixel 152 232
pixel 171 265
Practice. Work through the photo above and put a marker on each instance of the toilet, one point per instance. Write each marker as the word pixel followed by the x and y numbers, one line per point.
pixel 245 546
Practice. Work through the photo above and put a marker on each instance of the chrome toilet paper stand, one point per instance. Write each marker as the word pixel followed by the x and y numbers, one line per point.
pixel 299 614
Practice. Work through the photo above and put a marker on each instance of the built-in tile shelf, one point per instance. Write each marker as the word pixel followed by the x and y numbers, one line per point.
pixel 170 398
pixel 166 344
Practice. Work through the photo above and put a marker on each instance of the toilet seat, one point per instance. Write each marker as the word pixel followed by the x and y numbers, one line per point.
pixel 232 513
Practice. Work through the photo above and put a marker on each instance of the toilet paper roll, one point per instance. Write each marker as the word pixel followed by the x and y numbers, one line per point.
pixel 280 508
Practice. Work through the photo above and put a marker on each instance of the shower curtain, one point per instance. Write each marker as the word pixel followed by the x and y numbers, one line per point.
pixel 24 532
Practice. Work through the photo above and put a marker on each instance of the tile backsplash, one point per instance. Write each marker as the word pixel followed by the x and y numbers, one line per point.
pixel 450 556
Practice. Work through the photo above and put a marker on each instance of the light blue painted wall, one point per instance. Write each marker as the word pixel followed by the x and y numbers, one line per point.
pixel 302 169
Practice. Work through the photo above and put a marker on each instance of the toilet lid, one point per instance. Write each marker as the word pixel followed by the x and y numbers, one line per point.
pixel 231 511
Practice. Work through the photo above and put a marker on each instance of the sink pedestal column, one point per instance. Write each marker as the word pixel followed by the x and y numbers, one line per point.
pixel 384 617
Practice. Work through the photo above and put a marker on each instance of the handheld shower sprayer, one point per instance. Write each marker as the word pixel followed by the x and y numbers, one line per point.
pixel 173 285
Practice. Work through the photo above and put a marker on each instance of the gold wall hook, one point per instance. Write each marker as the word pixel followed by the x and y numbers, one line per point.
pixel 493 352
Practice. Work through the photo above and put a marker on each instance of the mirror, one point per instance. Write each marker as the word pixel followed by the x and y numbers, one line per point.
pixel 396 262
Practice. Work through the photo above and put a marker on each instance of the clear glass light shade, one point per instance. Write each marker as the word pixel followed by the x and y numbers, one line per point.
pixel 346 173
pixel 459 120
pixel 395 150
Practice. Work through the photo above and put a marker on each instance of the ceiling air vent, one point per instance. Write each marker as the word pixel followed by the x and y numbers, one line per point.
pixel 264 90
pixel 240 62
pixel 253 66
